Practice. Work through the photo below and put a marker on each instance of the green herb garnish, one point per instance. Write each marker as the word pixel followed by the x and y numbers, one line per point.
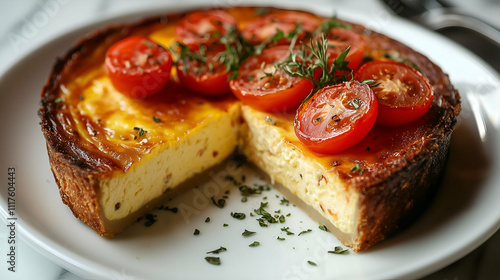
pixel 254 244
pixel 217 251
pixel 156 120
pixel 149 44
pixel 213 260
pixel 312 263
pixel 305 231
pixel 284 201
pixel 281 219
pixel 338 250
pixel 196 231
pixel 288 232
pixel 219 203
pixel 333 23
pixel 150 220
pixel 271 121
pixel 207 220
pixel 357 168
pixel 248 233
pixel 239 216
pixel 304 62
pixel 323 227
pixel 140 131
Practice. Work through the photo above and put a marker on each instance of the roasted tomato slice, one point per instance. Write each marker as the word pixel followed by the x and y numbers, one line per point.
pixel 200 27
pixel 209 77
pixel 277 91
pixel 336 117
pixel 264 27
pixel 404 94
pixel 137 66
pixel 339 39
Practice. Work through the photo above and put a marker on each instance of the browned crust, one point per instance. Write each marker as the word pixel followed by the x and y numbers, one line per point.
pixel 388 201
pixel 389 204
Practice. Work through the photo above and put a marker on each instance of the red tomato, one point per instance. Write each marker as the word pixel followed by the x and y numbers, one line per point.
pixel 208 79
pixel 336 117
pixel 137 66
pixel 339 39
pixel 268 25
pixel 278 92
pixel 199 27
pixel 404 94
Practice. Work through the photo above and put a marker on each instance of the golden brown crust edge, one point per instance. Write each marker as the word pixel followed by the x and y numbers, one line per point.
pixel 394 203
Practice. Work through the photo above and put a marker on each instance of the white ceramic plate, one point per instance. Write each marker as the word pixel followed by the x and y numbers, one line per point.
pixel 464 213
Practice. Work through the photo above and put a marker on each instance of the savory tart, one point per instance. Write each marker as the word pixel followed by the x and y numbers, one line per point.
pixel 354 124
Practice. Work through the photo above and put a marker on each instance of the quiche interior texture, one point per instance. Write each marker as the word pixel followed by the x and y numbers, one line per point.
pixel 115 158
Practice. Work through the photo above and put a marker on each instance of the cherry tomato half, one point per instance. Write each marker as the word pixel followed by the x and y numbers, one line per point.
pixel 199 27
pixel 137 66
pixel 404 94
pixel 210 78
pixel 264 27
pixel 339 39
pixel 336 117
pixel 277 92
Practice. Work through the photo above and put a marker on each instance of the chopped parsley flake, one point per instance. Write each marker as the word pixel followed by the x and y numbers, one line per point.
pixel 248 233
pixel 305 231
pixel 219 203
pixel 281 238
pixel 266 218
pixel 288 232
pixel 312 263
pixel 213 260
pixel 281 219
pixel 284 201
pixel 225 225
pixel 323 227
pixel 196 231
pixel 207 220
pixel 338 250
pixel 357 168
pixel 254 244
pixel 271 121
pixel 217 251
pixel 149 44
pixel 150 220
pixel 58 100
pixel 156 120
pixel 244 199
pixel 140 131
pixel 239 216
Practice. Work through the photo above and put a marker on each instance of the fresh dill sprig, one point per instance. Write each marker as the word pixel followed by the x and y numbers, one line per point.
pixel 304 62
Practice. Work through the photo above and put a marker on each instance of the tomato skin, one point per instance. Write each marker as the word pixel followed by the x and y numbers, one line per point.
pixel 339 40
pixel 137 66
pixel 279 94
pixel 202 80
pixel 404 94
pixel 329 123
pixel 199 27
pixel 266 26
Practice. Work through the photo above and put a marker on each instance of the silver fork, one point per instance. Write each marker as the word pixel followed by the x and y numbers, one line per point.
pixel 436 15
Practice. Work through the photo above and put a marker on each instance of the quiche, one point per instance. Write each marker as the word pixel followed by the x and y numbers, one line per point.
pixel 116 156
